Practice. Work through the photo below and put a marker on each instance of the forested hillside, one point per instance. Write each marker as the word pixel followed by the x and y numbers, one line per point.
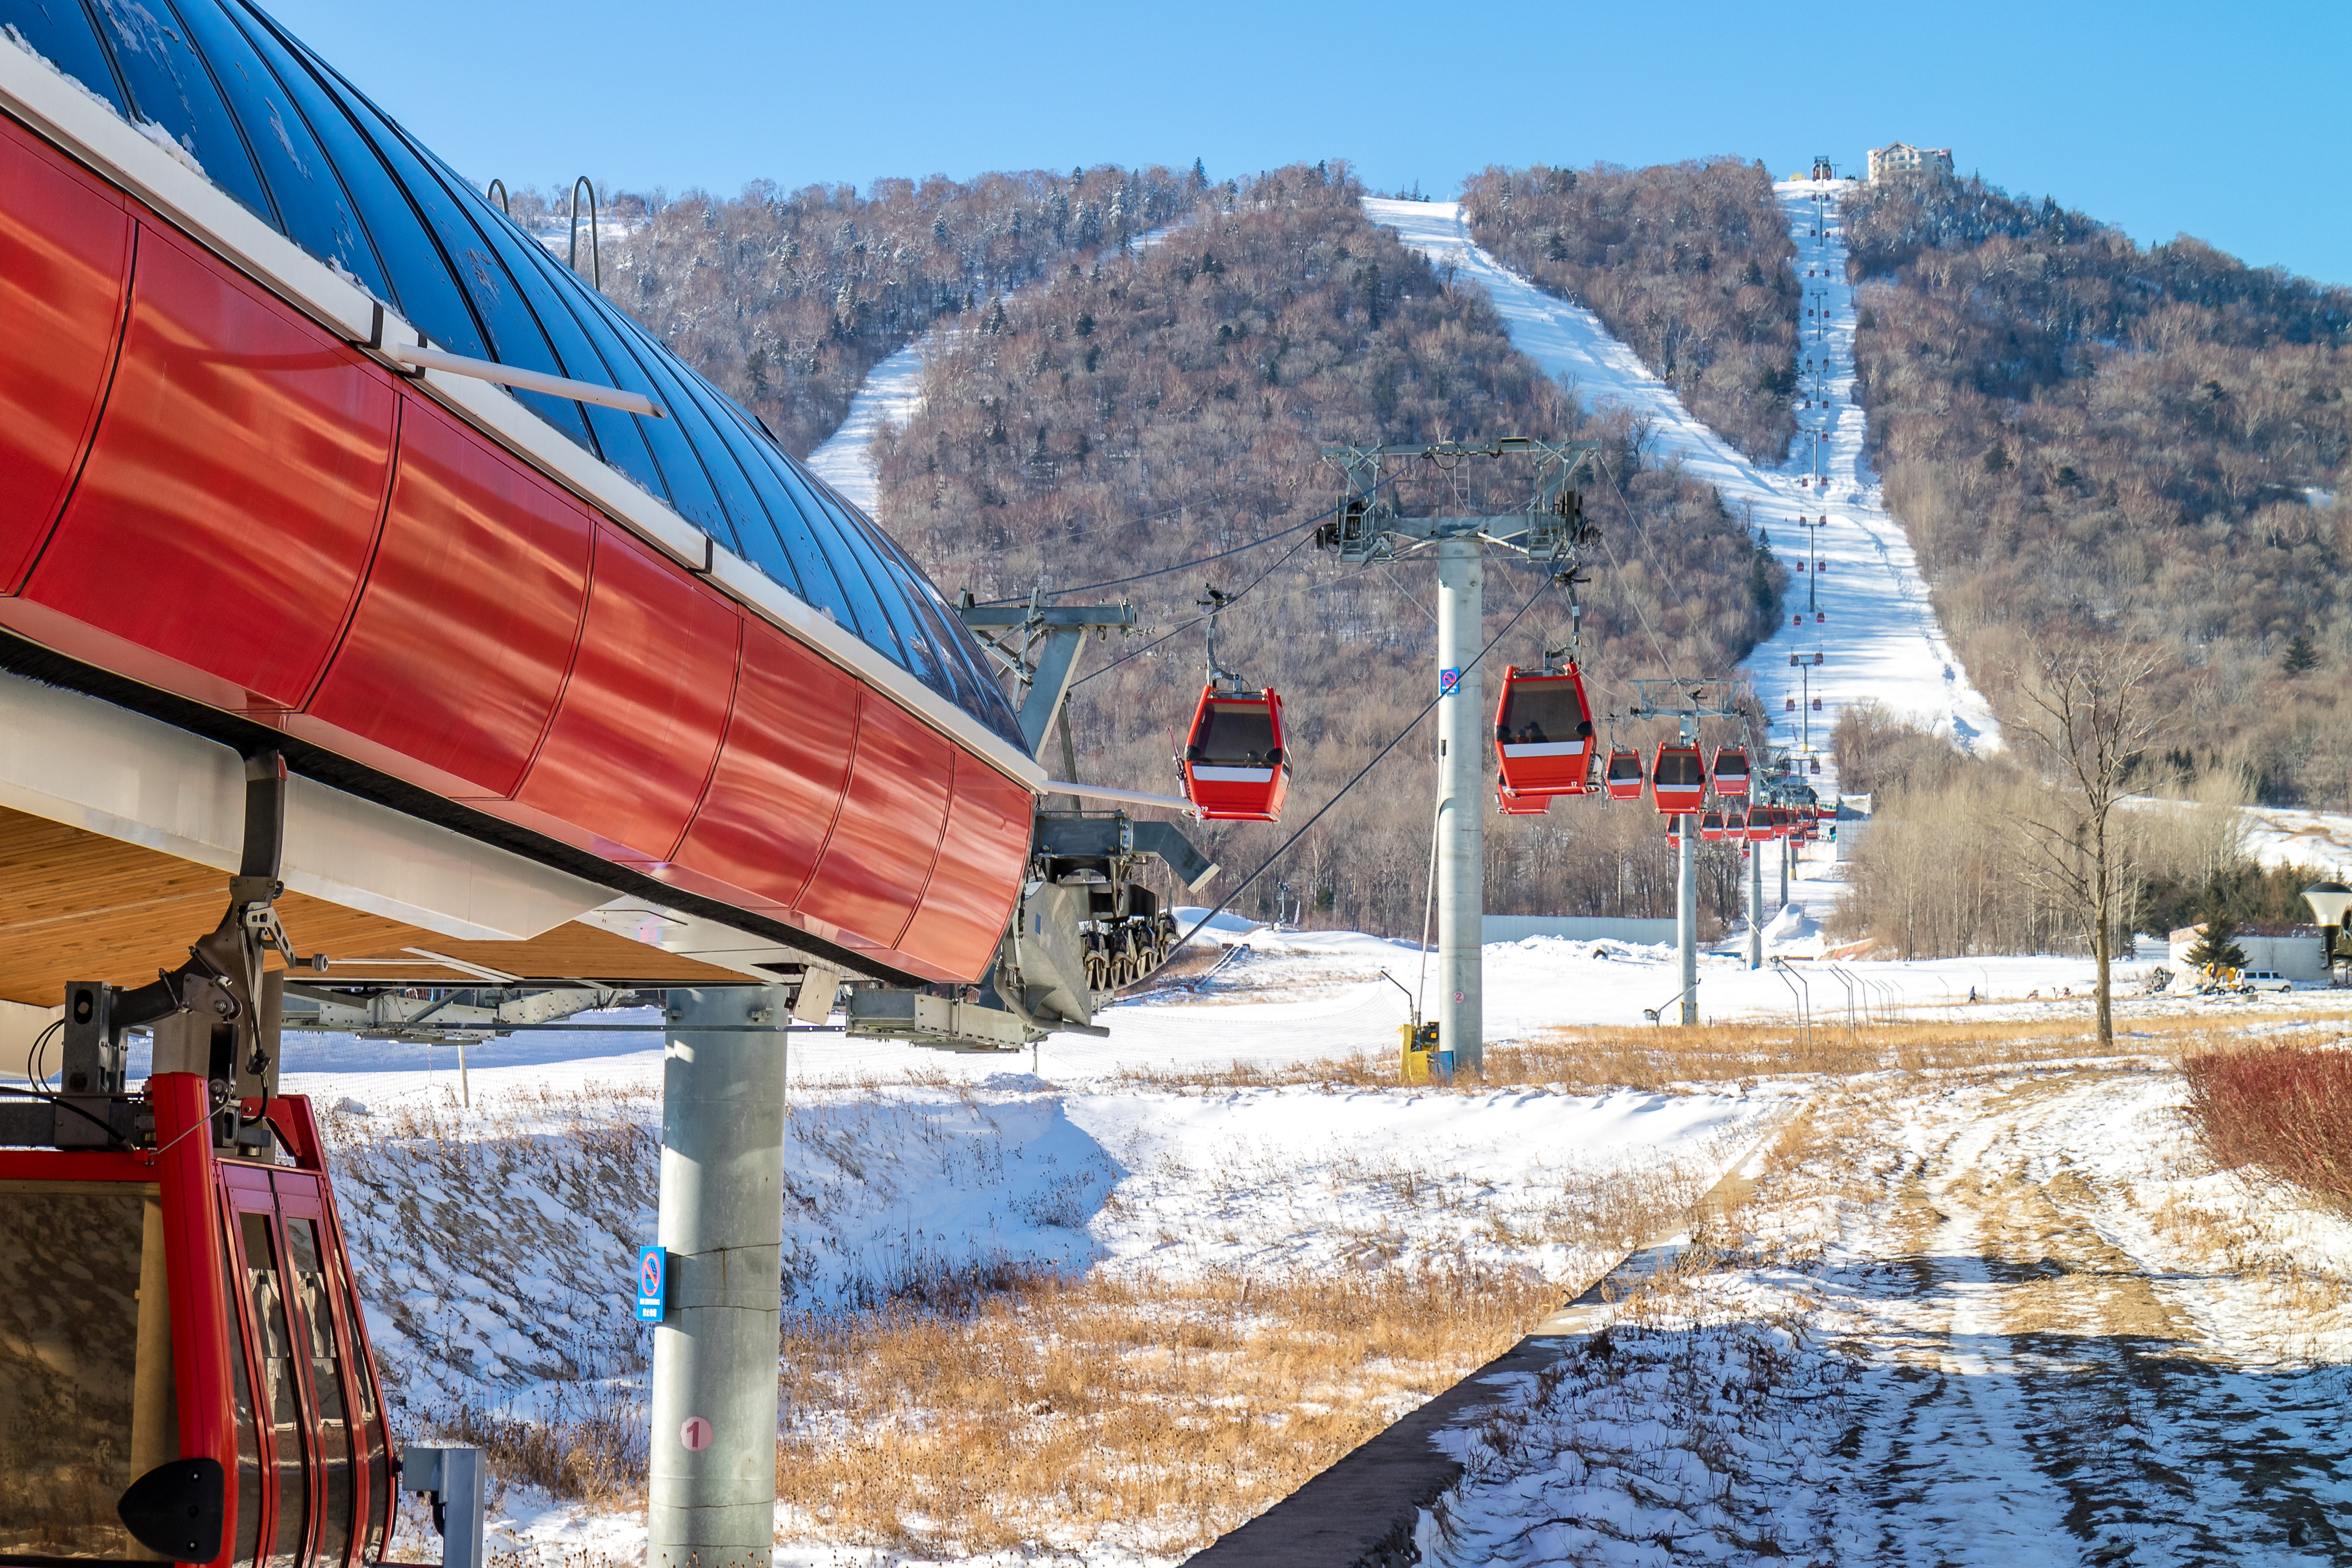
pixel 1690 264
pixel 786 301
pixel 2088 439
pixel 1157 406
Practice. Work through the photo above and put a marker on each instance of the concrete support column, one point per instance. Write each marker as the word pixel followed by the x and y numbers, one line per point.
pixel 1755 906
pixel 1686 915
pixel 1461 723
pixel 1788 849
pixel 712 1482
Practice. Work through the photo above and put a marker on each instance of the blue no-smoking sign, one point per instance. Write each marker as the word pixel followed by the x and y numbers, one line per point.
pixel 653 1275
pixel 1449 682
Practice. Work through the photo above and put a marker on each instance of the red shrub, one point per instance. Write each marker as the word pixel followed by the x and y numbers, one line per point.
pixel 2287 1109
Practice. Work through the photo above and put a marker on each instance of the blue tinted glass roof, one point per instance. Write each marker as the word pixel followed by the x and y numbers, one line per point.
pixel 291 140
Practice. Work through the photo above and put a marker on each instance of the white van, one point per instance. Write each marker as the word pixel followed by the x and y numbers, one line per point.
pixel 2263 980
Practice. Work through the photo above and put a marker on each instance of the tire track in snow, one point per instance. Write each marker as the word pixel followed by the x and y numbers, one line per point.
pixel 1881 639
pixel 2040 1393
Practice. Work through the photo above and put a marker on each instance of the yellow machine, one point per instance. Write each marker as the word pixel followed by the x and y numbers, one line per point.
pixel 1423 1061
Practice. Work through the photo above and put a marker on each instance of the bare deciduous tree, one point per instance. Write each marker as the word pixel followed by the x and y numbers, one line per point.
pixel 2086 716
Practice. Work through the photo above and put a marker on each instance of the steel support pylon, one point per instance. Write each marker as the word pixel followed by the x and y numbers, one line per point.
pixel 711 1476
pixel 1462 783
pixel 1755 906
pixel 1686 916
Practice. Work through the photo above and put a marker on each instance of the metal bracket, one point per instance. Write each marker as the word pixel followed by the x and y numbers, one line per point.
pixel 1550 528
pixel 452 1478
pixel 1037 645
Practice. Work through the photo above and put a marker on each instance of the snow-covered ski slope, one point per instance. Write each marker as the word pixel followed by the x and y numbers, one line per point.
pixel 892 391
pixel 1867 612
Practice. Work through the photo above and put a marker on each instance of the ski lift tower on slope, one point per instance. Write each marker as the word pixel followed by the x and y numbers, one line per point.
pixel 1687 702
pixel 1551 531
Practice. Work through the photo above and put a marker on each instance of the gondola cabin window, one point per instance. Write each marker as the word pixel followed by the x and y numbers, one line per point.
pixel 311 1299
pixel 1237 735
pixel 280 1401
pixel 1544 712
pixel 85 1379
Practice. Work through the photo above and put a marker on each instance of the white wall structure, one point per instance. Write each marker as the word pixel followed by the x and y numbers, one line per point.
pixel 2298 955
pixel 1578 927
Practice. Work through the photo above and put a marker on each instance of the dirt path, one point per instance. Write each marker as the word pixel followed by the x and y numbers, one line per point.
pixel 2034 1375
pixel 2011 1322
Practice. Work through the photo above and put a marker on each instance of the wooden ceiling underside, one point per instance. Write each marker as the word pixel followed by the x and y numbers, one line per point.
pixel 75 905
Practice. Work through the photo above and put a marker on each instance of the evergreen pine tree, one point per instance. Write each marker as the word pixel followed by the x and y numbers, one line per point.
pixel 2217 941
pixel 2300 655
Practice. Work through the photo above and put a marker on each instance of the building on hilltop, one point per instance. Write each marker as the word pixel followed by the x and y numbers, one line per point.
pixel 1902 158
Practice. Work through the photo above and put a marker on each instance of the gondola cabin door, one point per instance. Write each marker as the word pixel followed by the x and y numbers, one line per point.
pixel 312 1475
pixel 1236 766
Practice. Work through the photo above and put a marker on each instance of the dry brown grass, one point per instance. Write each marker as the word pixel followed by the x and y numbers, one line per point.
pixel 998 1407
pixel 1652 1058
pixel 1150 1412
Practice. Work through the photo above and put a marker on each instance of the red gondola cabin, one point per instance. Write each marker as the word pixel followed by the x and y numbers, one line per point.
pixel 1678 779
pixel 1759 824
pixel 1731 773
pixel 1624 779
pixel 1543 731
pixel 174 1302
pixel 1710 828
pixel 1234 767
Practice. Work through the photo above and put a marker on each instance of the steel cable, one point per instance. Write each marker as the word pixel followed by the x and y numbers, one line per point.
pixel 1361 772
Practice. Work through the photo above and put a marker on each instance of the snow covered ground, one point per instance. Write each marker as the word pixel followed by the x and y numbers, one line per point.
pixel 2016 1321
pixel 1877 631
pixel 496 1245
pixel 2278 836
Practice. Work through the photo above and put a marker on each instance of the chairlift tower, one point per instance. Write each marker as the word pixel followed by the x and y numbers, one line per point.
pixel 1686 701
pixel 1551 531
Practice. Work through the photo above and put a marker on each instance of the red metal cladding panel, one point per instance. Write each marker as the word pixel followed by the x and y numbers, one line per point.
pixel 634 738
pixel 457 653
pixel 978 875
pixel 881 856
pixel 65 257
pixel 232 493
pixel 781 774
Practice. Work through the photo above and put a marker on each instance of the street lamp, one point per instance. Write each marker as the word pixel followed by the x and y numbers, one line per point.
pixel 2328 900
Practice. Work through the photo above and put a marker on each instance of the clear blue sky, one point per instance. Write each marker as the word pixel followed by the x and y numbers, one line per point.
pixel 2226 122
